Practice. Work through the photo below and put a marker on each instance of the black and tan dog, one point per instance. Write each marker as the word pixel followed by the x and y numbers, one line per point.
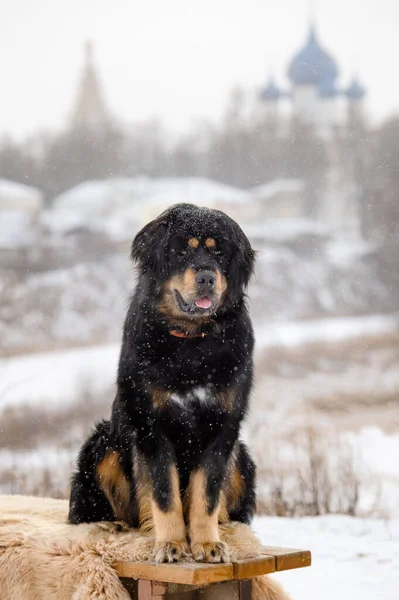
pixel 170 455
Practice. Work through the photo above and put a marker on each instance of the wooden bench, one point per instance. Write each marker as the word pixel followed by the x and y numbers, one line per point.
pixel 204 581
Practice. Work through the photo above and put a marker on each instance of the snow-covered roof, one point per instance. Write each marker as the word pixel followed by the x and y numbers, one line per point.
pixel 284 230
pixel 108 193
pixel 269 190
pixel 195 190
pixel 19 197
pixel 108 205
pixel 16 229
pixel 113 205
pixel 97 195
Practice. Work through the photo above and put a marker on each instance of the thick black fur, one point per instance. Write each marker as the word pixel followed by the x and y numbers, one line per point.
pixel 201 435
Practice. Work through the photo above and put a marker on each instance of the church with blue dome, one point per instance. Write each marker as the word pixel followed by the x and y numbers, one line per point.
pixel 315 93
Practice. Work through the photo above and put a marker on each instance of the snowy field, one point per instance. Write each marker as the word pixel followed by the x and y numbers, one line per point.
pixel 59 376
pixel 56 377
pixel 352 558
pixel 306 373
pixel 334 330
pixel 340 373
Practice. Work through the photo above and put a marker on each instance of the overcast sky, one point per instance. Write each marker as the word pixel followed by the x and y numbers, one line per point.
pixel 178 59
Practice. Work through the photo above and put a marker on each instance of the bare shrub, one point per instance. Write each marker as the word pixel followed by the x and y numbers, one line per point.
pixel 26 427
pixel 45 483
pixel 39 444
pixel 308 471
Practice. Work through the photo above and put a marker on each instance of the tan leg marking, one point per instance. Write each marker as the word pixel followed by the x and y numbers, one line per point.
pixel 223 512
pixel 114 484
pixel 204 530
pixel 144 495
pixel 235 487
pixel 170 529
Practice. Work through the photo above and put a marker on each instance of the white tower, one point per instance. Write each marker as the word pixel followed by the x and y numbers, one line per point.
pixel 313 73
pixel 355 108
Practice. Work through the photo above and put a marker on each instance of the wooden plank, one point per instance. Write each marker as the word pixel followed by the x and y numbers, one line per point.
pixel 189 573
pixel 253 567
pixel 193 573
pixel 289 558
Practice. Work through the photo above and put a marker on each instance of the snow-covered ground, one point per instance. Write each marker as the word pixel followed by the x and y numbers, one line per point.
pixel 283 403
pixel 56 376
pixel 352 558
pixel 297 333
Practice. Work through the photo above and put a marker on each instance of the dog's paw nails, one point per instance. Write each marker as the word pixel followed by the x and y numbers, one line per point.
pixel 170 551
pixel 212 552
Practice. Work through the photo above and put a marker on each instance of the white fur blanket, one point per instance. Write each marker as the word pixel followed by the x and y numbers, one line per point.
pixel 42 557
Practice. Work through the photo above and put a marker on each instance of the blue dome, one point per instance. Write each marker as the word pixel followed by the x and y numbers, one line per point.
pixel 271 91
pixel 312 65
pixel 327 88
pixel 355 90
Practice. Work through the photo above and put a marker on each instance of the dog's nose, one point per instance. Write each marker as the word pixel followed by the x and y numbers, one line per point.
pixel 206 279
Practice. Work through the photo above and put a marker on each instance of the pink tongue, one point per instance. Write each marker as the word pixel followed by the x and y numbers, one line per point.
pixel 203 302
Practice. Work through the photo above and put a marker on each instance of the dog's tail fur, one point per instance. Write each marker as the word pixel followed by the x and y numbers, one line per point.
pixel 267 588
pixel 88 502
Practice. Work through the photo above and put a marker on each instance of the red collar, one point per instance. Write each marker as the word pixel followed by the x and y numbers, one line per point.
pixel 182 334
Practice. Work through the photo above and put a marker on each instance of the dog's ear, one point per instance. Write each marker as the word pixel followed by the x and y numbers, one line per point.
pixel 149 248
pixel 244 260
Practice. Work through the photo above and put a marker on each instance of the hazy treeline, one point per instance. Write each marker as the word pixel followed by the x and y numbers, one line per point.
pixel 244 149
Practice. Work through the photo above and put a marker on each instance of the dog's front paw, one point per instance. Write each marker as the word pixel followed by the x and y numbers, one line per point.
pixel 170 551
pixel 212 552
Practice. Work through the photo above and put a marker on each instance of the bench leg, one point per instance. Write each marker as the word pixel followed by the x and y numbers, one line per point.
pixel 229 590
pixel 245 589
pixel 153 590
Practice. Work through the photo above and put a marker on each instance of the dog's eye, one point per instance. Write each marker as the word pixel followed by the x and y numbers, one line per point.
pixel 178 252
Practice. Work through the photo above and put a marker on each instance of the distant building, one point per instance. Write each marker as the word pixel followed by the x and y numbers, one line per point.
pixel 315 94
pixel 90 110
pixel 119 206
pixel 280 199
pixel 20 198
pixel 20 208
pixel 316 97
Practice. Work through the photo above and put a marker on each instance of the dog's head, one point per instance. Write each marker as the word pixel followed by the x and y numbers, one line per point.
pixel 197 261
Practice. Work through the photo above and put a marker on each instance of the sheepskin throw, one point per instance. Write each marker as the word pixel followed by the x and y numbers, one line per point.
pixel 42 557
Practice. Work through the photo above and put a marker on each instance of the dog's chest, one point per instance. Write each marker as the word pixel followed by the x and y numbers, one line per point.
pixel 197 396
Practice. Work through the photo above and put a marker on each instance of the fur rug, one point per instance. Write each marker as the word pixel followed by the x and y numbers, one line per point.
pixel 42 557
